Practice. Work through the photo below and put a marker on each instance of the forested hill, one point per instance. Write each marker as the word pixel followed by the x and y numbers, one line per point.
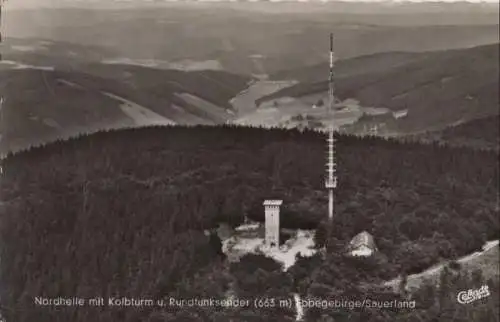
pixel 356 66
pixel 483 129
pixel 44 105
pixel 437 88
pixel 478 133
pixel 122 213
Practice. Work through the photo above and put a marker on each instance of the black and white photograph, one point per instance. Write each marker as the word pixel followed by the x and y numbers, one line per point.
pixel 249 161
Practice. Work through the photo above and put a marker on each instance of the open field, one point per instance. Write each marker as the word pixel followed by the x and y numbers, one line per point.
pixel 245 102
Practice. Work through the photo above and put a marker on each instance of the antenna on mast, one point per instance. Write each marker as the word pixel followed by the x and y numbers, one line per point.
pixel 330 78
pixel 331 165
pixel 1 34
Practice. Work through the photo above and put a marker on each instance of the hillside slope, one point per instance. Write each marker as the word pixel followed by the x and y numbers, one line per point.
pixel 479 133
pixel 45 104
pixel 349 67
pixel 38 108
pixel 437 89
pixel 484 129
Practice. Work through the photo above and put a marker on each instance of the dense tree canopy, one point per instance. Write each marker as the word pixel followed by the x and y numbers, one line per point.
pixel 122 213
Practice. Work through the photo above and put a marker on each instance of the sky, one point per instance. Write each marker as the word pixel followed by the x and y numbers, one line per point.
pixel 17 4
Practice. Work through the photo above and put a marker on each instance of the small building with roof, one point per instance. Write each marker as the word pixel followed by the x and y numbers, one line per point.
pixel 362 245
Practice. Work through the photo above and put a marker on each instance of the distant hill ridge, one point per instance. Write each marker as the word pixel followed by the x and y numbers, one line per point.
pixel 437 88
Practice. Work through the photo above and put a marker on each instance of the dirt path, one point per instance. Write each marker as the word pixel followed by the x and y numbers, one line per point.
pixel 413 280
pixel 416 279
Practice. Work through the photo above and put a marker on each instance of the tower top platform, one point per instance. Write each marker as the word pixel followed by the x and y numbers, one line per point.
pixel 273 202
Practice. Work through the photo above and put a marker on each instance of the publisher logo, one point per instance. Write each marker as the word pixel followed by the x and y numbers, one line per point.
pixel 472 295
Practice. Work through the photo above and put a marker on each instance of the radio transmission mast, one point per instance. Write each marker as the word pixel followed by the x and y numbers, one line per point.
pixel 1 45
pixel 1 59
pixel 331 165
pixel 1 94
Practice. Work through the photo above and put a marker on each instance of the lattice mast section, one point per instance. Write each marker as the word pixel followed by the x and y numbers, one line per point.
pixel 2 2
pixel 331 164
pixel 1 49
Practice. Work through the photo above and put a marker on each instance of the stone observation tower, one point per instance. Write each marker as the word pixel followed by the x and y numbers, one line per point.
pixel 272 210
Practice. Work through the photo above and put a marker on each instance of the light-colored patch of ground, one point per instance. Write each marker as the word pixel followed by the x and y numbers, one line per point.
pixel 186 118
pixel 138 62
pixel 51 123
pixel 400 114
pixel 70 84
pixel 141 115
pixel 282 113
pixel 446 79
pixel 244 102
pixel 261 77
pixel 351 103
pixel 204 105
pixel 402 95
pixel 44 43
pixel 461 121
pixel 184 65
pixel 18 65
pixel 191 65
pixel 249 239
pixel 260 73
pixel 298 307
pixel 379 110
pixel 268 117
pixel 25 48
pixel 486 260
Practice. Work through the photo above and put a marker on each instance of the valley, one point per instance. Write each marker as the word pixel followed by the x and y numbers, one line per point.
pixel 372 102
pixel 279 68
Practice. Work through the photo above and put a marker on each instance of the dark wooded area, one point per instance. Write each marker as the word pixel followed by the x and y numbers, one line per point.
pixel 122 213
